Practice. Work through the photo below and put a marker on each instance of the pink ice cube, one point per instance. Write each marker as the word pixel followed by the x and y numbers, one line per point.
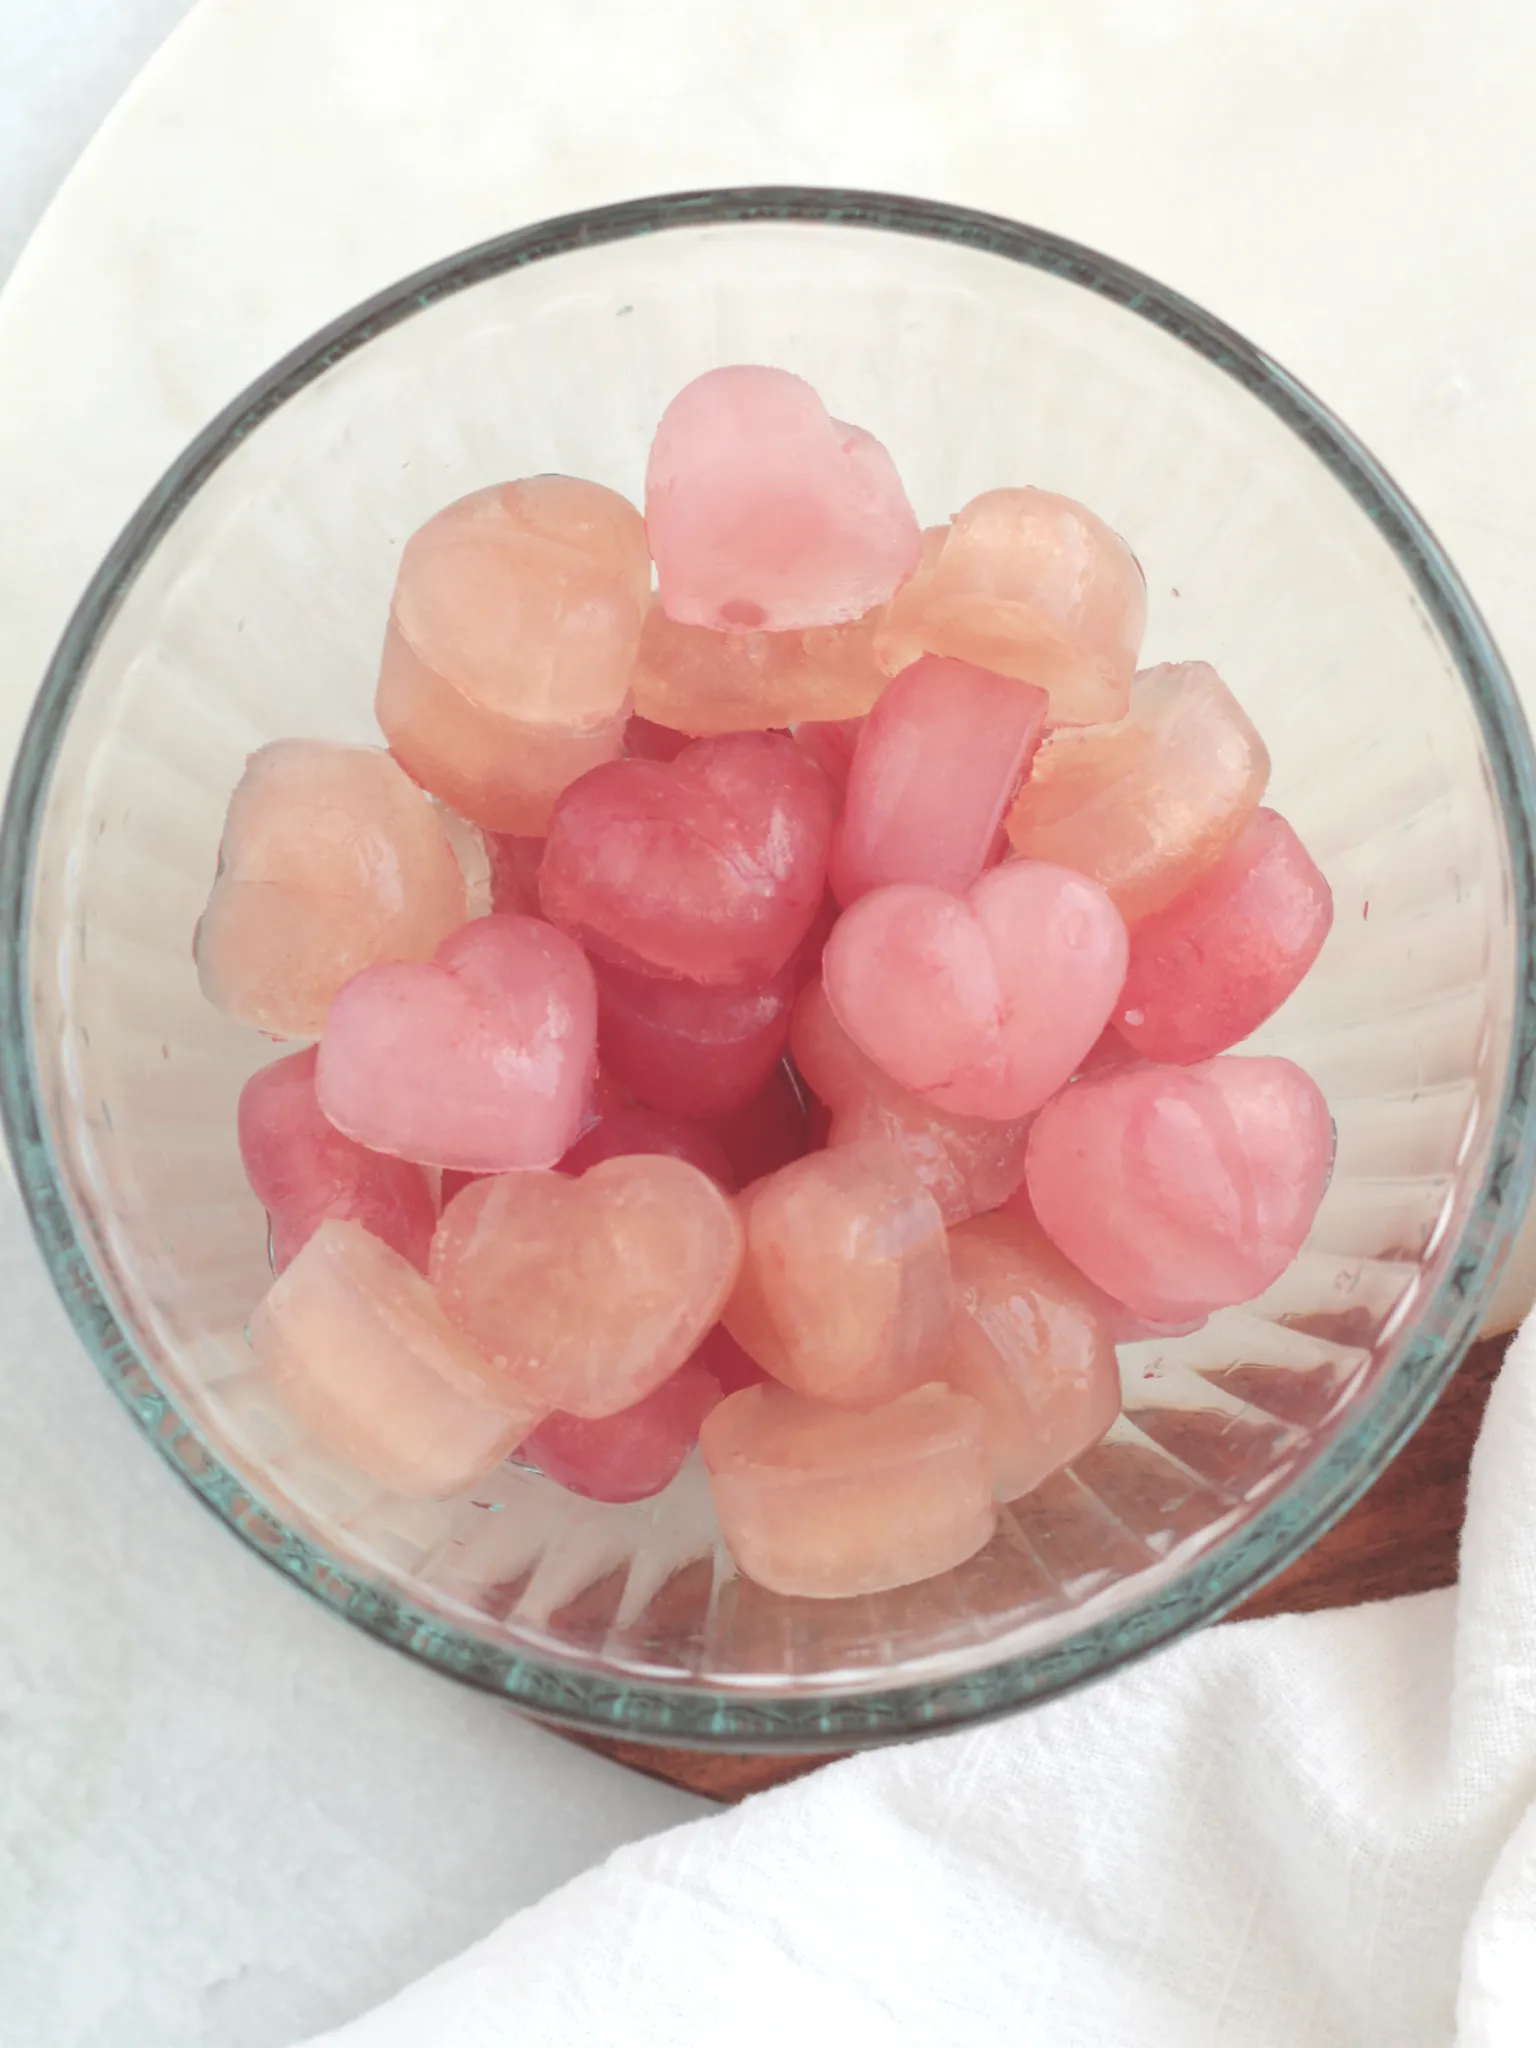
pixel 481 1059
pixel 512 634
pixel 1222 957
pixel 986 1002
pixel 968 1164
pixel 690 1050
pixel 726 1363
pixel 631 1455
pixel 353 1340
pixel 844 1292
pixel 302 1170
pixel 514 865
pixel 330 861
pixel 826 1504
pixel 627 1132
pixel 1032 585
pixel 645 740
pixel 1145 806
pixel 1030 1346
pixel 938 762
pixel 697 681
pixel 588 1292
pixel 763 512
pixel 709 868
pixel 1180 1190
pixel 830 742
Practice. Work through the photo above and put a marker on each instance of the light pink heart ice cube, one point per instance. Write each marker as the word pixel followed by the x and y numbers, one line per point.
pixel 481 1059
pixel 1180 1190
pixel 983 1003
pixel 765 513
pixel 938 762
pixel 302 1170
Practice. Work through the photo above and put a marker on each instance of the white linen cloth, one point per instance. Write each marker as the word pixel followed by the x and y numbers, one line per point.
pixel 1317 1831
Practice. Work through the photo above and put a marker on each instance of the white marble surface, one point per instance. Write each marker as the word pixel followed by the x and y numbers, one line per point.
pixel 224 1818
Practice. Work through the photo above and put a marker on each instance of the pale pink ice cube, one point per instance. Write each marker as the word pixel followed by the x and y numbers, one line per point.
pixel 302 1170
pixel 938 762
pixel 631 1455
pixel 1225 954
pixel 687 1049
pixel 512 634
pixel 1032 585
pixel 694 680
pixel 763 512
pixel 1031 1347
pixel 968 1164
pixel 481 1059
pixel 588 1292
pixel 844 1291
pixel 1146 805
pixel 626 1132
pixel 986 1002
pixel 826 1504
pixel 1180 1190
pixel 352 1339
pixel 331 860
pixel 709 868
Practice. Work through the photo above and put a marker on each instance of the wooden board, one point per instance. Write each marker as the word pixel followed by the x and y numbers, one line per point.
pixel 1400 1538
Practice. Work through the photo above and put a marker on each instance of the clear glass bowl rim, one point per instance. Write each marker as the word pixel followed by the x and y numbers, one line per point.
pixel 698 1716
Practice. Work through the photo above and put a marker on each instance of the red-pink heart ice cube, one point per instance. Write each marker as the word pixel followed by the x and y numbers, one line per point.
pixel 1180 1190
pixel 967 1163
pixel 629 1131
pixel 767 1132
pixel 481 1059
pixel 984 1003
pixel 1225 955
pixel 631 1455
pixel 687 1049
pixel 938 762
pixel 709 868
pixel 825 1504
pixel 1032 585
pixel 302 1170
pixel 764 512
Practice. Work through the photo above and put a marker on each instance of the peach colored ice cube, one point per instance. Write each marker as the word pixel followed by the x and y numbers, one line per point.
pixel 626 1132
pixel 1146 805
pixel 764 512
pixel 1030 1346
pixel 844 1291
pixel 352 1339
pixel 709 868
pixel 983 1003
pixel 481 1059
pixel 512 633
pixel 1032 585
pixel 302 1170
pixel 589 1292
pixel 968 1164
pixel 631 1455
pixel 826 1504
pixel 330 861
pixel 690 1050
pixel 938 762
pixel 1180 1190
pixel 1224 955
pixel 695 680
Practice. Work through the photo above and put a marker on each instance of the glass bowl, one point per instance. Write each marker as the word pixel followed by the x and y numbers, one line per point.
pixel 246 600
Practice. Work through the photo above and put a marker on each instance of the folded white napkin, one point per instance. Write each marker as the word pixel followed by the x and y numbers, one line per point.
pixel 1312 1832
